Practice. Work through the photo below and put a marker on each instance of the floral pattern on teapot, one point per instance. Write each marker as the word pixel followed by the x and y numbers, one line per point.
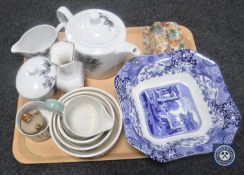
pixel 89 62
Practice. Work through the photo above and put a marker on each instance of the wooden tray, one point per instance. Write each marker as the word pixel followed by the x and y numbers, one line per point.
pixel 27 151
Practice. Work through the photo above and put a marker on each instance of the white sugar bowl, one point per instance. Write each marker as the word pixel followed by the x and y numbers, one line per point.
pixel 100 40
pixel 36 78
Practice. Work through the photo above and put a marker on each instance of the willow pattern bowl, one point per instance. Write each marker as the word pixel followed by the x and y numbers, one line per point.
pixel 175 105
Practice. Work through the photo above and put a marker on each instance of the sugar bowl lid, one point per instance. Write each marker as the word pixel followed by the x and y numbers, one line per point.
pixel 36 78
pixel 95 30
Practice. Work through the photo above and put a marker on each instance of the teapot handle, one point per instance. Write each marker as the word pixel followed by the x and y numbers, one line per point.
pixel 63 14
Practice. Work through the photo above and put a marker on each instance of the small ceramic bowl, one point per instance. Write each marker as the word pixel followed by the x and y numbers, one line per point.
pixel 83 116
pixel 44 134
pixel 57 127
pixel 115 132
pixel 71 145
pixel 74 140
pixel 107 106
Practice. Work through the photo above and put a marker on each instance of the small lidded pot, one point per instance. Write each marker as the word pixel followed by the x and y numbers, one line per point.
pixel 36 78
pixel 100 40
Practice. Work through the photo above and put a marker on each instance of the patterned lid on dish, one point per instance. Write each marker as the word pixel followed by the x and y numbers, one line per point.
pixel 36 78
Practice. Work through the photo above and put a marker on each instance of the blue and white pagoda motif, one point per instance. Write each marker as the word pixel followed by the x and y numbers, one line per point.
pixel 169 110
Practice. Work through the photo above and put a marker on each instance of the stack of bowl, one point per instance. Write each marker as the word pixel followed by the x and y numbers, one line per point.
pixel 93 146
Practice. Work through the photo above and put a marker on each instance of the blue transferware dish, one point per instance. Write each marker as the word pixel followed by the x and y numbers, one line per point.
pixel 175 105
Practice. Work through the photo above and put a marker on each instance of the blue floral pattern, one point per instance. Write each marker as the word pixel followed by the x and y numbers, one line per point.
pixel 224 113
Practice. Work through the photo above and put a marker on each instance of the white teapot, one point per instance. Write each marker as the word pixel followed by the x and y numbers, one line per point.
pixel 99 38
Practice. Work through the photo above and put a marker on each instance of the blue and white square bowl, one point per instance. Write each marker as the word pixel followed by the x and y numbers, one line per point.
pixel 175 105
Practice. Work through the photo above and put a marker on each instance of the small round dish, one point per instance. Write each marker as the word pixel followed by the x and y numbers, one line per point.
pixel 107 106
pixel 74 140
pixel 71 145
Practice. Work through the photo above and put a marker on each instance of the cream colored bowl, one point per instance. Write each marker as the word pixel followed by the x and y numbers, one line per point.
pixel 111 140
pixel 57 127
pixel 107 106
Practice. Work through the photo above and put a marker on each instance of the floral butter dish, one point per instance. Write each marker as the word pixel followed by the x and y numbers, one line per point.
pixel 175 105
pixel 162 37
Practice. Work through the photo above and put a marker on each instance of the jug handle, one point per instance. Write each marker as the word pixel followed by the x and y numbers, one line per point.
pixel 54 106
pixel 63 14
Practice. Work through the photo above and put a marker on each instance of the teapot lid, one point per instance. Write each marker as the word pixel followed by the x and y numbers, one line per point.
pixel 95 31
pixel 36 78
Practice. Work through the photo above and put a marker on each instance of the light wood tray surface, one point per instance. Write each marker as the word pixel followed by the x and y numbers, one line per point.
pixel 29 152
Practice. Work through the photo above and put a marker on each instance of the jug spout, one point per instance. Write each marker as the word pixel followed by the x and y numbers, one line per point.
pixel 130 48
pixel 15 48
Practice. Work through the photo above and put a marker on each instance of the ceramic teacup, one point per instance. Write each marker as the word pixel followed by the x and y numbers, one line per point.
pixel 44 134
pixel 82 117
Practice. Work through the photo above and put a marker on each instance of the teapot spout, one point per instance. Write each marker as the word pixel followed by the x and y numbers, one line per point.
pixel 130 48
